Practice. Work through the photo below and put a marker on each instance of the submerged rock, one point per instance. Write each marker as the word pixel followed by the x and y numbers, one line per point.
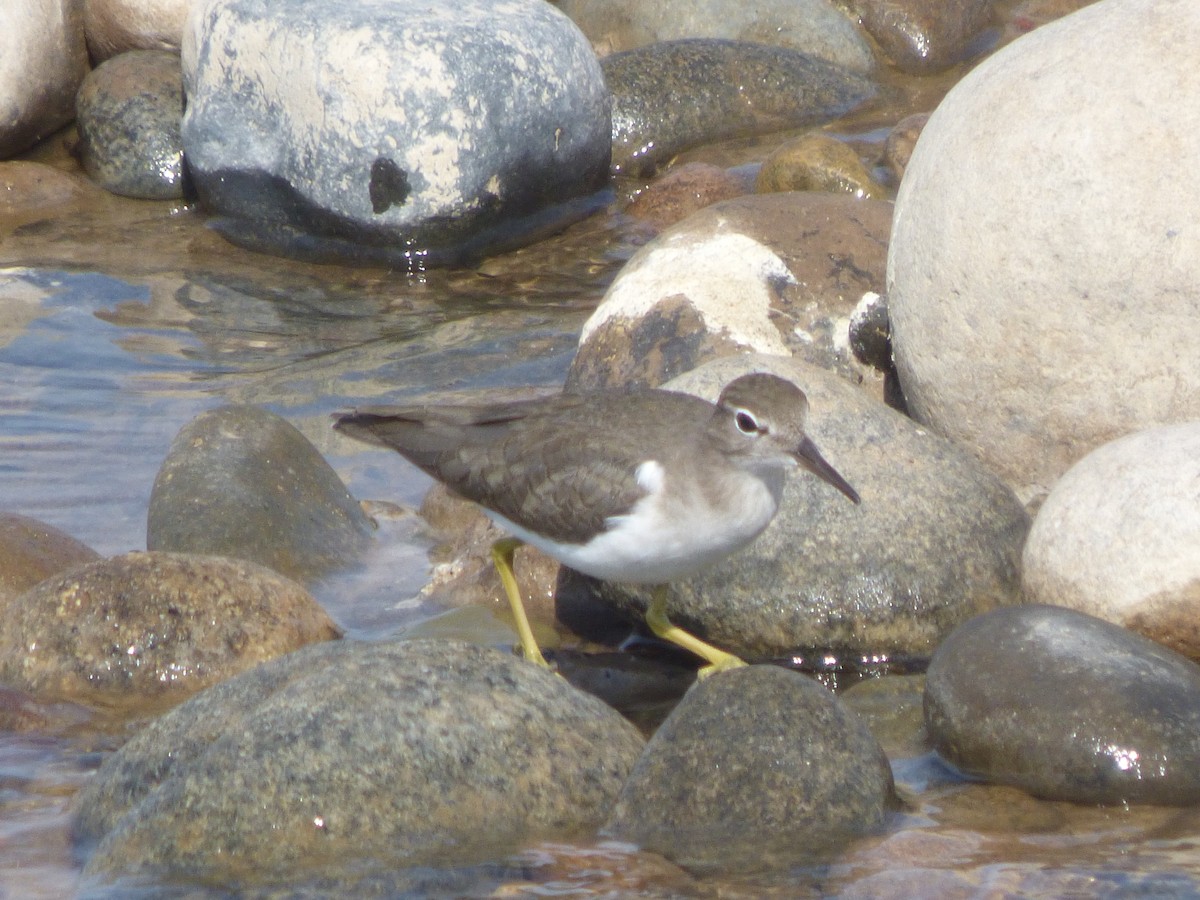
pixel 240 481
pixel 1067 707
pixel 404 134
pixel 756 769
pixel 32 551
pixel 673 95
pixel 349 758
pixel 152 627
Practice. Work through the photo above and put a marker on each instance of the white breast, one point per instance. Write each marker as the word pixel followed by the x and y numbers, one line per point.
pixel 658 541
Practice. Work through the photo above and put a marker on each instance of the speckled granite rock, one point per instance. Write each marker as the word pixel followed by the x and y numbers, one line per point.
pixel 347 757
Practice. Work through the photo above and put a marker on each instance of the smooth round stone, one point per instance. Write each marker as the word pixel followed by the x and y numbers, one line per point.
pixel 240 481
pixel 924 36
pixel 817 27
pixel 152 626
pixel 397 133
pixel 347 757
pixel 756 769
pixel 116 26
pixel 1118 535
pixel 1042 271
pixel 770 273
pixel 32 551
pixel 128 117
pixel 1067 707
pixel 817 162
pixel 732 89
pixel 43 58
pixel 936 540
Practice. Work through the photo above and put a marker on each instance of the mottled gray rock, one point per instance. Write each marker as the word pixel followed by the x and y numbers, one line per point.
pixel 152 626
pixel 816 27
pixel 1118 537
pixel 240 481
pixel 1067 707
pixel 936 540
pixel 773 273
pixel 128 116
pixel 673 95
pixel 1042 285
pixel 43 58
pixel 32 551
pixel 116 26
pixel 756 769
pixel 398 133
pixel 348 757
pixel 924 36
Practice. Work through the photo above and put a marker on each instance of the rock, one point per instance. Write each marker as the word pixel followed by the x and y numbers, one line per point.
pixel 31 189
pixel 43 58
pixel 240 481
pixel 1117 537
pixel 892 708
pixel 1066 707
pixel 152 626
pixel 921 37
pixel 756 769
pixel 936 540
pixel 32 551
pixel 673 95
pixel 683 190
pixel 1041 279
pixel 898 148
pixel 777 273
pixel 129 110
pixel 816 27
pixel 117 26
pixel 397 134
pixel 817 162
pixel 348 756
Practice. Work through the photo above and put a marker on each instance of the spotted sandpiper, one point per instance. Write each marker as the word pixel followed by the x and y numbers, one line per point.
pixel 645 486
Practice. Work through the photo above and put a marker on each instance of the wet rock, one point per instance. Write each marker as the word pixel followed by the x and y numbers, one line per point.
pixel 240 481
pixel 682 191
pixel 345 757
pixel 936 540
pixel 31 189
pixel 756 769
pixel 400 134
pixel 116 26
pixel 892 708
pixel 773 273
pixel 1117 537
pixel 152 626
pixel 817 162
pixel 673 95
pixel 43 58
pixel 898 148
pixel 1034 319
pixel 32 551
pixel 129 110
pixel 816 27
pixel 1067 707
pixel 924 36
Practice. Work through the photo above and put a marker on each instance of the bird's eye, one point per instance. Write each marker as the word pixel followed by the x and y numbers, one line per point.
pixel 746 423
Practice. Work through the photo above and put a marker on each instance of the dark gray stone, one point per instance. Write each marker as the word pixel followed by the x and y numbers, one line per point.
pixel 936 540
pixel 240 481
pixel 348 758
pixel 152 626
pixel 1067 707
pixel 128 112
pixel 404 133
pixel 756 769
pixel 672 95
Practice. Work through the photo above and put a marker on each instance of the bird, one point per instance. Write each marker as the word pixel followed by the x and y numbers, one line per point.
pixel 645 486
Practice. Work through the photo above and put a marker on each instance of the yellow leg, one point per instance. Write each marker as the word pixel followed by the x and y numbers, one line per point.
pixel 656 617
pixel 502 556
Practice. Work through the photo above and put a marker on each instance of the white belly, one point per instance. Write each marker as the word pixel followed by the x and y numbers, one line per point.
pixel 657 544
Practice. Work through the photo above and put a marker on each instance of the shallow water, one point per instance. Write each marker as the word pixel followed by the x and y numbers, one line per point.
pixel 122 320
